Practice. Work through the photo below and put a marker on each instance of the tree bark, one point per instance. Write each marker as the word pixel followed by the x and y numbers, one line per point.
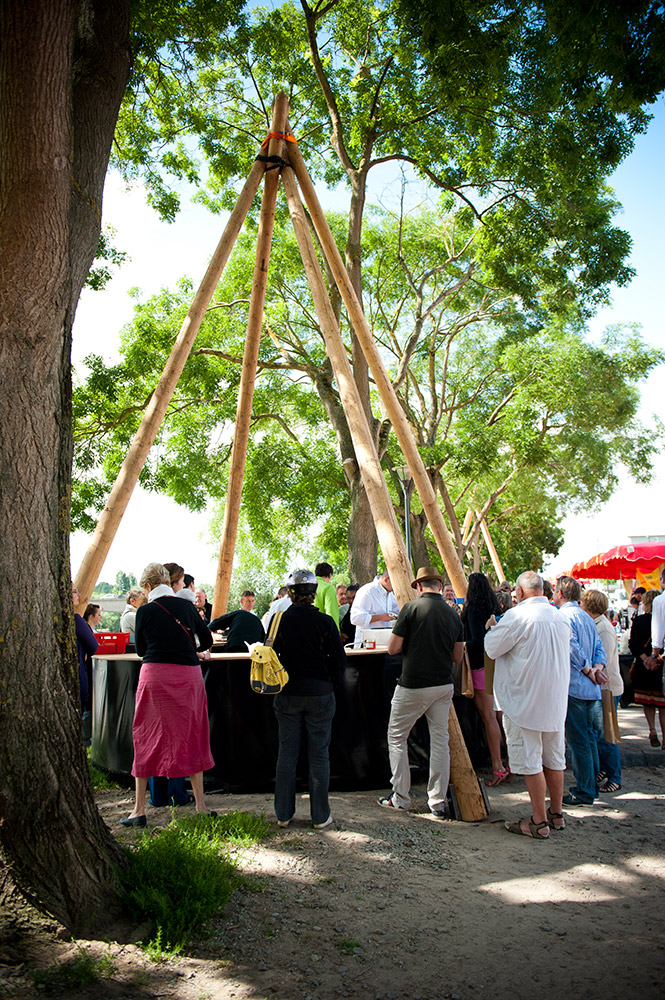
pixel 63 70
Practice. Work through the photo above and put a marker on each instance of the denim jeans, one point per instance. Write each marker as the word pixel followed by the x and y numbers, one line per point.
pixel 296 714
pixel 584 724
pixel 610 756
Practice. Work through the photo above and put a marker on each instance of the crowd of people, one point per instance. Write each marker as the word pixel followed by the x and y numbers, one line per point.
pixel 539 658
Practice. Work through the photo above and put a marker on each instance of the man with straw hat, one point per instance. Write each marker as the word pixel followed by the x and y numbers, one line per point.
pixel 430 636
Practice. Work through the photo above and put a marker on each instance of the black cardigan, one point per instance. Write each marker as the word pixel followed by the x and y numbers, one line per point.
pixel 160 639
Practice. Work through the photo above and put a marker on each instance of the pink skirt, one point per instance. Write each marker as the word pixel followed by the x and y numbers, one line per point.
pixel 171 734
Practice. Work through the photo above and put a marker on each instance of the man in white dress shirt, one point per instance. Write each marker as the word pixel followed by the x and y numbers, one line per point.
pixel 531 646
pixel 375 605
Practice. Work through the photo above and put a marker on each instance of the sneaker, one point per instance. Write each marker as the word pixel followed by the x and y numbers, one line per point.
pixel 285 822
pixel 572 800
pixel 322 826
pixel 438 813
pixel 389 803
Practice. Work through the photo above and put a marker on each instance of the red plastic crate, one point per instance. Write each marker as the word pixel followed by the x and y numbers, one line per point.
pixel 111 642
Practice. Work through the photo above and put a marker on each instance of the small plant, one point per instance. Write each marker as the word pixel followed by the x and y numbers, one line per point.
pixel 76 973
pixel 349 946
pixel 99 779
pixel 157 952
pixel 182 875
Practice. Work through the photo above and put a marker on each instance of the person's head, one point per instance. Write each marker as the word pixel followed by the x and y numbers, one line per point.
pixel 93 615
pixel 648 599
pixel 340 590
pixel 351 592
pixel 384 580
pixel 247 600
pixel 189 581
pixel 428 580
pixel 154 575
pixel 639 592
pixel 176 576
pixel 324 570
pixel 504 600
pixel 200 598
pixel 505 586
pixel 283 592
pixel 448 593
pixel 133 595
pixel 567 589
pixel 548 590
pixel 301 585
pixel 528 584
pixel 594 602
pixel 479 594
pixel 75 596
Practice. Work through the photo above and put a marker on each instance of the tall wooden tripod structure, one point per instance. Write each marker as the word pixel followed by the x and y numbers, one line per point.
pixel 280 159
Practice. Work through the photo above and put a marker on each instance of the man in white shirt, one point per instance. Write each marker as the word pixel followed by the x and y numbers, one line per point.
pixel 531 646
pixel 375 605
pixel 658 619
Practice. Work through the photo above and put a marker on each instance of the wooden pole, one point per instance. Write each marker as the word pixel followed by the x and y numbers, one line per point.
pixel 250 359
pixel 494 555
pixel 388 395
pixel 466 527
pixel 115 507
pixel 383 513
pixel 469 797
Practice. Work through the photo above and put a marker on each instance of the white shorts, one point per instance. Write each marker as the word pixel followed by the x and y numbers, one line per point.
pixel 530 750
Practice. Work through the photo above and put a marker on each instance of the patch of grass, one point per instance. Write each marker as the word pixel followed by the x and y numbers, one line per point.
pixel 182 875
pixel 76 973
pixel 349 946
pixel 158 952
pixel 99 779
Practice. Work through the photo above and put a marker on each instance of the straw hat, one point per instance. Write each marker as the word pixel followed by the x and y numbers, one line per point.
pixel 427 573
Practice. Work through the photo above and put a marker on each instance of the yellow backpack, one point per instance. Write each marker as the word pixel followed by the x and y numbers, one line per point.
pixel 267 675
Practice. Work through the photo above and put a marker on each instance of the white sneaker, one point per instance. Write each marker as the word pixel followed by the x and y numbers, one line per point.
pixel 322 826
pixel 285 822
pixel 388 802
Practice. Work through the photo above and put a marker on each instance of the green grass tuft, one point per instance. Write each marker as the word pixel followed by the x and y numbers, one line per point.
pixel 75 974
pixel 182 875
pixel 99 779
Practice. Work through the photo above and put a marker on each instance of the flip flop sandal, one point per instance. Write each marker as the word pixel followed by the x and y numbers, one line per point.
pixel 600 777
pixel 498 777
pixel 533 831
pixel 552 817
pixel 610 786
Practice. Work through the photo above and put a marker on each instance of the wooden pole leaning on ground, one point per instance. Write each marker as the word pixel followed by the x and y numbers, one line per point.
pixel 115 507
pixel 250 359
pixel 388 395
pixel 383 513
pixel 469 798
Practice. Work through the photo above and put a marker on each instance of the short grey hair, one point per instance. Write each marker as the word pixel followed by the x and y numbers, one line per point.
pixel 155 574
pixel 529 581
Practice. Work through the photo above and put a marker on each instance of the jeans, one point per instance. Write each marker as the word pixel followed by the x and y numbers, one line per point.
pixel 296 714
pixel 584 724
pixel 609 755
pixel 408 705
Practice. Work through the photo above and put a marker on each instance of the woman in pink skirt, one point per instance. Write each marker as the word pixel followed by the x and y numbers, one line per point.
pixel 170 731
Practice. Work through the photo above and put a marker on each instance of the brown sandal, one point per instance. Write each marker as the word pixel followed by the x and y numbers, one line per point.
pixel 533 831
pixel 553 817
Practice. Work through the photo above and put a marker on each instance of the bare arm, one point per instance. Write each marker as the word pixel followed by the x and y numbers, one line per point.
pixel 395 644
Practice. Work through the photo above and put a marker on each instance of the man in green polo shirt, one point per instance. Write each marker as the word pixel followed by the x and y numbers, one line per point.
pixel 430 636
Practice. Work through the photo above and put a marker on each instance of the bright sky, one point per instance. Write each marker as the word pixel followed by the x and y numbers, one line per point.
pixel 155 527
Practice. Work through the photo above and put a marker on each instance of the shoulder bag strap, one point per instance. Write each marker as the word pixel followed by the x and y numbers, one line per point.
pixel 187 631
pixel 274 625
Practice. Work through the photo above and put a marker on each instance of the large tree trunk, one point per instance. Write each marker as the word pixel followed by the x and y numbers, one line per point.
pixel 63 70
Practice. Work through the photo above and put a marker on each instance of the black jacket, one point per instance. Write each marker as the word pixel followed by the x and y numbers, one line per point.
pixel 159 638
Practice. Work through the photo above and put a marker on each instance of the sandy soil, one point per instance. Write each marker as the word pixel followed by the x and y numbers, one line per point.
pixel 388 905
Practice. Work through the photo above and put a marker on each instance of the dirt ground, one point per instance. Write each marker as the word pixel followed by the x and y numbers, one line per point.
pixel 393 905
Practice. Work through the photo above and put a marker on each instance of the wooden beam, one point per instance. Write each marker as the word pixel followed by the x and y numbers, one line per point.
pixel 109 520
pixel 468 521
pixel 250 359
pixel 383 512
pixel 388 395
pixel 494 555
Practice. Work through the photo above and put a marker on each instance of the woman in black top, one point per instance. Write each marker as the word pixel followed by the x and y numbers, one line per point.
pixel 171 734
pixel 479 605
pixel 647 684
